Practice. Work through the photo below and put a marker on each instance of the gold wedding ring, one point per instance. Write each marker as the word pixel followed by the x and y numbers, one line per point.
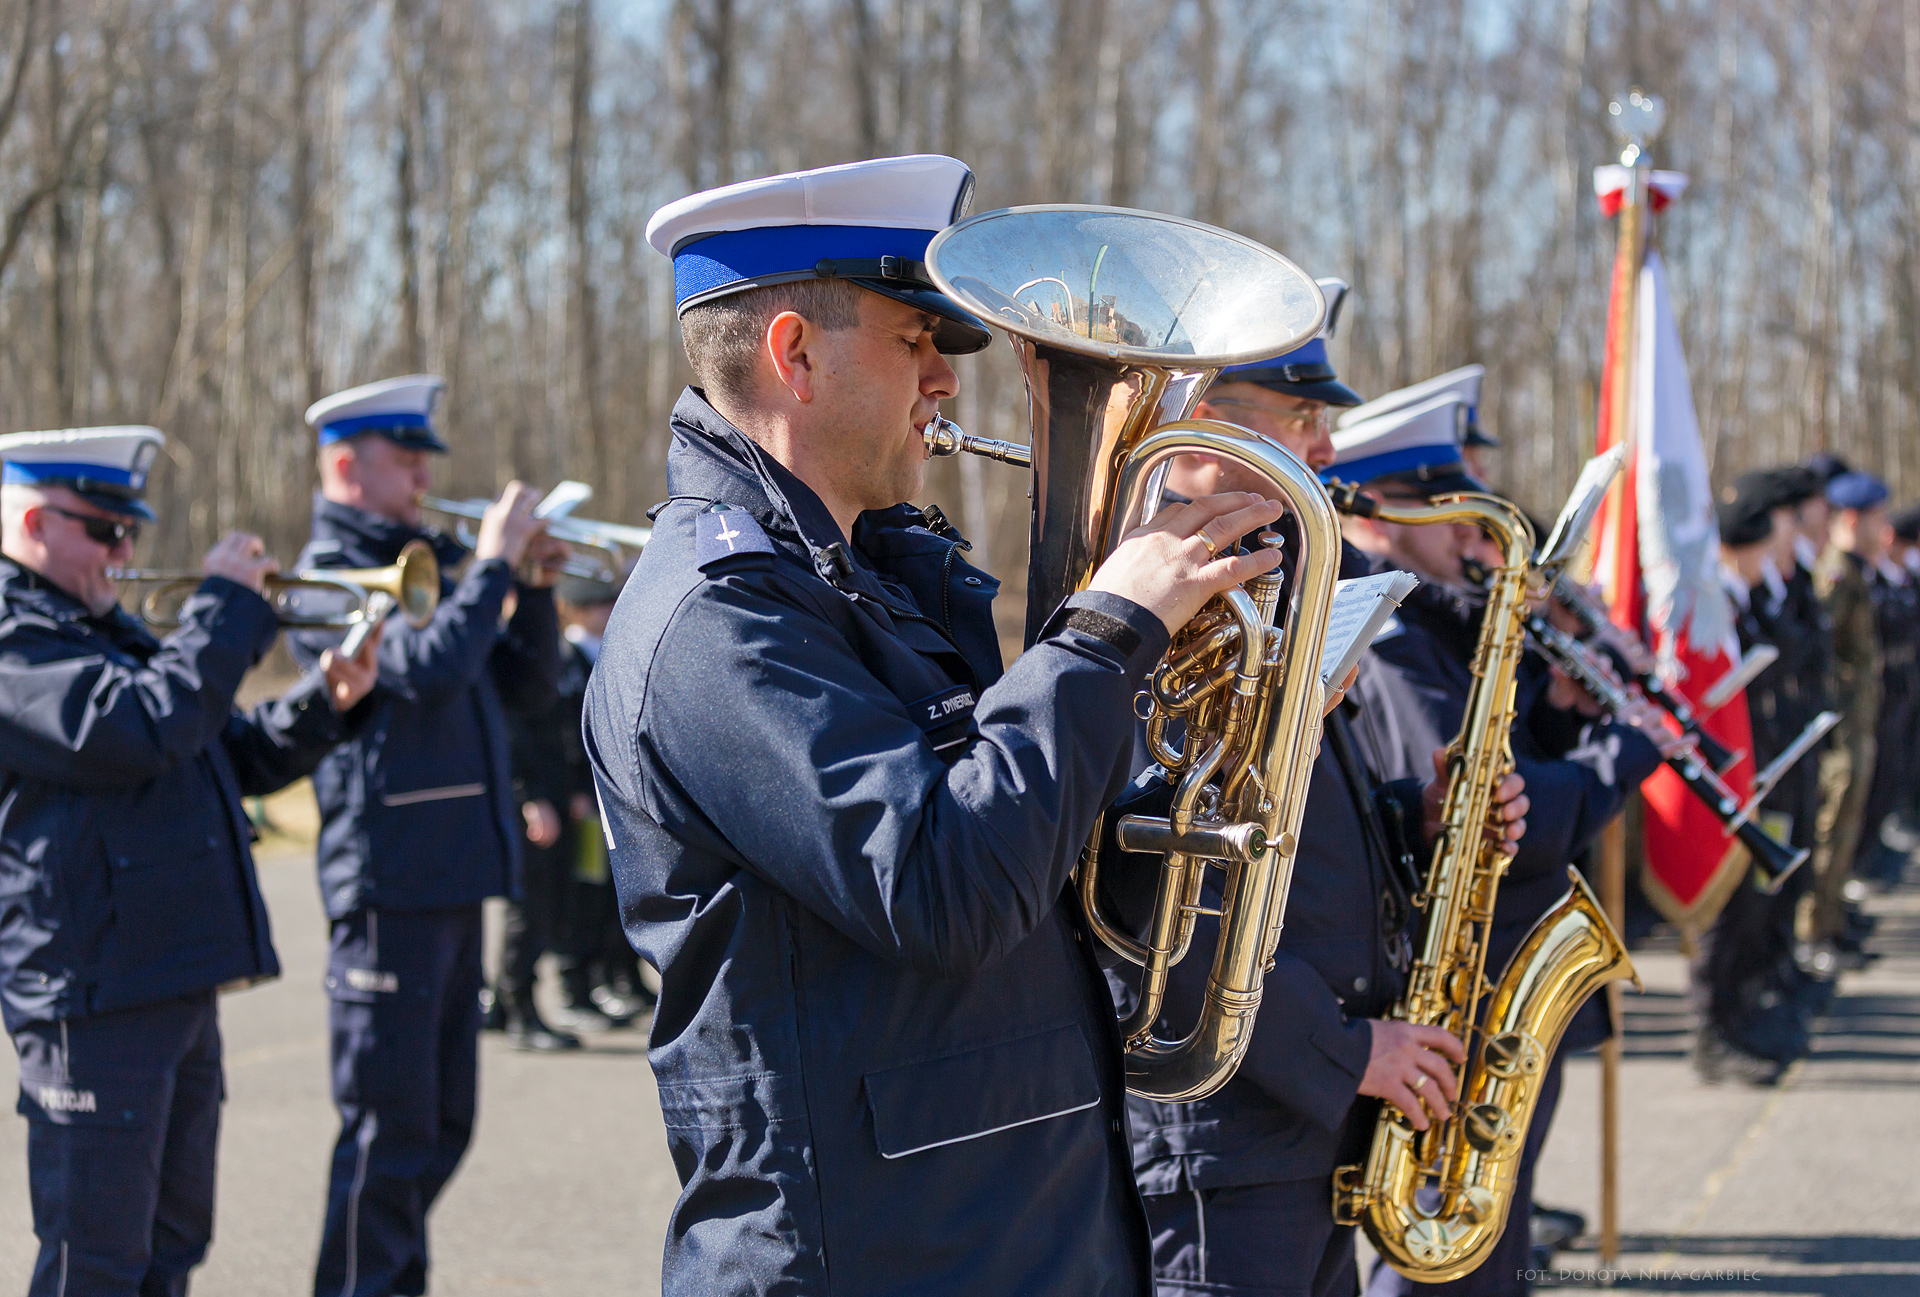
pixel 1212 550
pixel 1421 1082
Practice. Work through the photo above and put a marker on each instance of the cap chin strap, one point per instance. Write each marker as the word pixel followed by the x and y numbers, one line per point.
pixel 904 271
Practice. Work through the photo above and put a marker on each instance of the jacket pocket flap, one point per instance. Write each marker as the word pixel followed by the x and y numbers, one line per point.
pixel 918 1106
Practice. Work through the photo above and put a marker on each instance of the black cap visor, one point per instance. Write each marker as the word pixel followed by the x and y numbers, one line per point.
pixel 1330 390
pixel 127 506
pixel 956 334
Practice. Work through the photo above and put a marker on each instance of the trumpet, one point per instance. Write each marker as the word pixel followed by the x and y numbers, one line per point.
pixel 365 594
pixel 613 539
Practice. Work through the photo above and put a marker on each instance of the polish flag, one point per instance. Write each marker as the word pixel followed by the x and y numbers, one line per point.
pixel 1657 554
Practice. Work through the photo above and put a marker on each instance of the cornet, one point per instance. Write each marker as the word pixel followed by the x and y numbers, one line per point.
pixel 613 539
pixel 412 584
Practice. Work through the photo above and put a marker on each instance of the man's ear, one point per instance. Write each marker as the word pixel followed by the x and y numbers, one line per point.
pixel 788 337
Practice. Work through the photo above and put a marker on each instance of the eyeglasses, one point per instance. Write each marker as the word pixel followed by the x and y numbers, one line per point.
pixel 102 531
pixel 1307 421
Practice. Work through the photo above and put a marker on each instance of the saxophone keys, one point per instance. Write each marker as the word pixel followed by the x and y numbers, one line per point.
pixel 1477 1204
pixel 1426 1242
pixel 1512 1054
pixel 1490 1129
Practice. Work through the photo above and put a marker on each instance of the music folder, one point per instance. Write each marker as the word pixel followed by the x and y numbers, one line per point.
pixel 1361 607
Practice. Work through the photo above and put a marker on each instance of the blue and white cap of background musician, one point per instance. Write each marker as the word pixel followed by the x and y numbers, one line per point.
pixel 869 222
pixel 1416 445
pixel 399 409
pixel 1464 380
pixel 1305 371
pixel 107 467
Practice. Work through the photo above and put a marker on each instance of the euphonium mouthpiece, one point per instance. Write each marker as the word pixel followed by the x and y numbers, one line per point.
pixel 944 437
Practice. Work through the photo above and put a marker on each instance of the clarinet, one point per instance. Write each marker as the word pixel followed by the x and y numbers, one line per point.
pixel 1773 859
pixel 1578 602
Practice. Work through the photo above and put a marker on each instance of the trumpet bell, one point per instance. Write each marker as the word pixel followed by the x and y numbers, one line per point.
pixel 412 581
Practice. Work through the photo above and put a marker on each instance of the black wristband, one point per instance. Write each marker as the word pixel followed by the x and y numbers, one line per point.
pixel 1098 625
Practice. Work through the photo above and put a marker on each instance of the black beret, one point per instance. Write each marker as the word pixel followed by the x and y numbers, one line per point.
pixel 1906 524
pixel 1827 466
pixel 1745 521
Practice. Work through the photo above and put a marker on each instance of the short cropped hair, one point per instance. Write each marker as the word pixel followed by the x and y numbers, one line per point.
pixel 723 336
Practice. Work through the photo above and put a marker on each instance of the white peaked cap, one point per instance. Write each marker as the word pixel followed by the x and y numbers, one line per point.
pixel 922 191
pixel 1418 437
pixel 399 408
pixel 1463 382
pixel 108 466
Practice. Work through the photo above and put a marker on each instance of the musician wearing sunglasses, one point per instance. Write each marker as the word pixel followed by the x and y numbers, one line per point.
pixel 127 885
pixel 838 826
pixel 418 824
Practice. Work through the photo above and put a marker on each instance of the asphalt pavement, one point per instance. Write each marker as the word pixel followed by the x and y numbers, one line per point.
pixel 564 1193
pixel 1809 1187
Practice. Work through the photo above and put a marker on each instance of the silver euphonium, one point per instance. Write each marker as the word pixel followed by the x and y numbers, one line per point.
pixel 1121 319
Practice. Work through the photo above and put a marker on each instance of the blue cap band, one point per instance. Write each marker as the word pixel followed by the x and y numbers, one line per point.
pixel 1311 352
pixel 711 265
pixel 26 474
pixel 341 429
pixel 1404 460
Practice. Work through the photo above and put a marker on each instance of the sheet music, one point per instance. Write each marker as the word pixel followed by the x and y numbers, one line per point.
pixel 1361 607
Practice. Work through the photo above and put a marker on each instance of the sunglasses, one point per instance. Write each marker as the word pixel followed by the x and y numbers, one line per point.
pixel 102 531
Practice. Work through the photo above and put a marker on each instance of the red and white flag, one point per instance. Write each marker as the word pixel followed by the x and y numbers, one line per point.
pixel 1657 556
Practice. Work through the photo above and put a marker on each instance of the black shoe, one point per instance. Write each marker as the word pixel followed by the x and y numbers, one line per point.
pixel 526 1031
pixel 1716 1060
pixel 585 1018
pixel 621 1008
pixel 493 1014
pixel 537 1037
pixel 1551 1228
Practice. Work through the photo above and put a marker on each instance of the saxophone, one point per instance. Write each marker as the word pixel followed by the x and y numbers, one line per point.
pixel 1434 1202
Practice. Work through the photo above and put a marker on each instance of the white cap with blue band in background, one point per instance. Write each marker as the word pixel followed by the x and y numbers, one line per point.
pixel 106 467
pixel 865 222
pixel 399 409
pixel 1463 382
pixel 1417 445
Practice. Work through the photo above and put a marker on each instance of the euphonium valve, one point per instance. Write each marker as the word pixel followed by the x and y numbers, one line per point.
pixel 1120 320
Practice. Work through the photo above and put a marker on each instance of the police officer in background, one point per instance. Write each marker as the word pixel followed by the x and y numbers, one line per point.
pixel 567 903
pixel 1896 607
pixel 1238 1186
pixel 418 826
pixel 127 886
pixel 1413 699
pixel 1857 530
pixel 884 1047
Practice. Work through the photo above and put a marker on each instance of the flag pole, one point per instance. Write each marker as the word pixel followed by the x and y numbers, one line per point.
pixel 1632 121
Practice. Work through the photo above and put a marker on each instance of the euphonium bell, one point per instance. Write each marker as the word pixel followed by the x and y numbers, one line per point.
pixel 1121 319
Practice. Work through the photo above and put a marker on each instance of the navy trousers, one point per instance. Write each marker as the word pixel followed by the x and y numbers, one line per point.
pixel 1262 1240
pixel 123 1122
pixel 404 991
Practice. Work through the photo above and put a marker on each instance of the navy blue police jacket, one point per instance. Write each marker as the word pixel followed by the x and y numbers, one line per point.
pixel 1413 699
pixel 886 1056
pixel 126 871
pixel 418 812
pixel 1292 1109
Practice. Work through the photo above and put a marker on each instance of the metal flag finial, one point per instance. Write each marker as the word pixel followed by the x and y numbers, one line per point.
pixel 1636 118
